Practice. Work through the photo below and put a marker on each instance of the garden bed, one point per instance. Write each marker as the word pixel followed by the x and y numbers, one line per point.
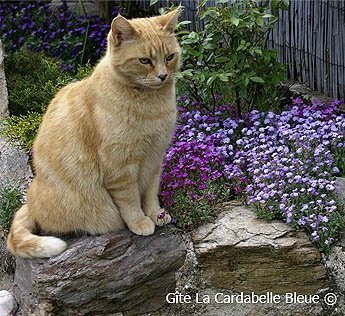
pixel 282 162
pixel 239 138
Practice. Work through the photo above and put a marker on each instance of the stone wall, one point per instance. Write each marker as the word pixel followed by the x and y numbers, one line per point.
pixel 236 255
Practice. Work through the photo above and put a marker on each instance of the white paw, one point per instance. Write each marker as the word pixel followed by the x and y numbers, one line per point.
pixel 143 227
pixel 161 217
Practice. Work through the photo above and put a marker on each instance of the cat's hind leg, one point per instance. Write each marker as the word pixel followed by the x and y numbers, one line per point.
pixel 104 218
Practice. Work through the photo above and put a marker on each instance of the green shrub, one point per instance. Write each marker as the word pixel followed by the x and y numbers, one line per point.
pixel 21 130
pixel 33 80
pixel 229 56
pixel 11 198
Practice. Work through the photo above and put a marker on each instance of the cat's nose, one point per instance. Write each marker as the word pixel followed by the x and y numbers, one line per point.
pixel 163 77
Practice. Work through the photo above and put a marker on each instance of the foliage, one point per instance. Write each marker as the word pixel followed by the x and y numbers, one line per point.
pixel 33 80
pixel 229 57
pixel 73 39
pixel 31 91
pixel 22 130
pixel 11 198
pixel 284 165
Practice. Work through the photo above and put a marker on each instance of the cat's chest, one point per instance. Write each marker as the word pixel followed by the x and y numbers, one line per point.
pixel 139 126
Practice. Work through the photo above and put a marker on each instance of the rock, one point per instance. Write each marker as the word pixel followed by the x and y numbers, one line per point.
pixel 265 309
pixel 244 254
pixel 306 92
pixel 14 166
pixel 102 275
pixel 341 190
pixel 336 266
pixel 7 304
pixel 3 88
pixel 15 171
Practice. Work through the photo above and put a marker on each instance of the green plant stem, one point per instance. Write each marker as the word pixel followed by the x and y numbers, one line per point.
pixel 84 43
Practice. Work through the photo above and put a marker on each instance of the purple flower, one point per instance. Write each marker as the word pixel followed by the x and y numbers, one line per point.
pixel 161 215
pixel 40 29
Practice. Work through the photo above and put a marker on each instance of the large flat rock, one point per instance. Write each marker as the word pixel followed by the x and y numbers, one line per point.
pixel 245 254
pixel 101 276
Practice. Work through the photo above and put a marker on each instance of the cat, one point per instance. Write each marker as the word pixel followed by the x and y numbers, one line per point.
pixel 99 149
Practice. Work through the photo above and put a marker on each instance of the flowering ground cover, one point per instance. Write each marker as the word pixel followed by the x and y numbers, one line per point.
pixel 58 32
pixel 284 165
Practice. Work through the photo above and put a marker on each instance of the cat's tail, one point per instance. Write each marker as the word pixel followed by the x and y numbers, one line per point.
pixel 21 242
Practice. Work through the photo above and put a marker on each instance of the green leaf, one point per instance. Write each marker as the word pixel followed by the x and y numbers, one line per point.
pixel 184 23
pixel 152 2
pixel 202 3
pixel 243 92
pixel 222 1
pixel 223 77
pixel 285 4
pixel 187 72
pixel 194 52
pixel 235 21
pixel 210 80
pixel 259 21
pixel 222 59
pixel 257 79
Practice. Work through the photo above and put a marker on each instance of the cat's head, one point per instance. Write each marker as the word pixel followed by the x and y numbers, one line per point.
pixel 145 52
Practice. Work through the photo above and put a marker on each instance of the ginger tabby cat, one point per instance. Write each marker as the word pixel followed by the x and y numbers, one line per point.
pixel 99 150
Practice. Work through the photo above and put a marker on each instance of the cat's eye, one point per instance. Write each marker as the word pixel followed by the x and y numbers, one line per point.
pixel 145 61
pixel 170 57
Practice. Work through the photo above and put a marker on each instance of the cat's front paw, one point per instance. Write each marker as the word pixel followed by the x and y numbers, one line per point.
pixel 160 217
pixel 143 227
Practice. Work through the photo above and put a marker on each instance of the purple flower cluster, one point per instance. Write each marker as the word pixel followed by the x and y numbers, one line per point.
pixel 202 144
pixel 58 32
pixel 284 164
pixel 290 161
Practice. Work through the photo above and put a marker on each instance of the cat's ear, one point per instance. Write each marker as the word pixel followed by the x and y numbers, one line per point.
pixel 122 30
pixel 169 20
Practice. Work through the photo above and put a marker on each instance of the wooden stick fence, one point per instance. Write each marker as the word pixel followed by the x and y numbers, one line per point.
pixel 309 37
